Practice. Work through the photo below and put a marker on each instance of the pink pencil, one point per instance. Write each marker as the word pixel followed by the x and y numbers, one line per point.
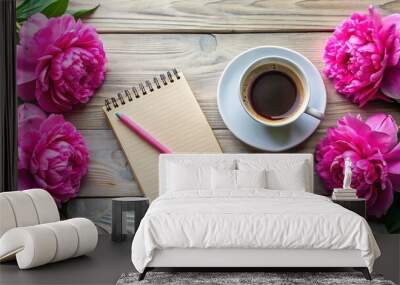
pixel 142 133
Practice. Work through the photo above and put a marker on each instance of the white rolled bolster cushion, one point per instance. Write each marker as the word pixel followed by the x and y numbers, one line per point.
pixel 31 231
pixel 40 244
pixel 7 219
pixel 26 208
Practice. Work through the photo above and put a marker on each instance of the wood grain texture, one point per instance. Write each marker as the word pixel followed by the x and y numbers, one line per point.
pixel 109 174
pixel 134 58
pixel 202 57
pixel 224 16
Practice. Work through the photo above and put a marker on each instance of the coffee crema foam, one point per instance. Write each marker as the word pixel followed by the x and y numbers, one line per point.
pixel 273 92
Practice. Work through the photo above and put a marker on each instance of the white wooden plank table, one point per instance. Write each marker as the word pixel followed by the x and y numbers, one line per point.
pixel 144 38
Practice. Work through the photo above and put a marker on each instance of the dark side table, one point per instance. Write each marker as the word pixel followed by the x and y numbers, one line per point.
pixel 357 206
pixel 123 209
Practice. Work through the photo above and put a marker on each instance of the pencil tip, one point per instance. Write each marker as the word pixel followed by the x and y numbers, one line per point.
pixel 117 114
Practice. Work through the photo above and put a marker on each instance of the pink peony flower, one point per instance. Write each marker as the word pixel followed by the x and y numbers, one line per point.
pixel 60 62
pixel 374 150
pixel 52 154
pixel 358 53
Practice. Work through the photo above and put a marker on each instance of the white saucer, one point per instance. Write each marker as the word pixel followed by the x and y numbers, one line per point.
pixel 248 130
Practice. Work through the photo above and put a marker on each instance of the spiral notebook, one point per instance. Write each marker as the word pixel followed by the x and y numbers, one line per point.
pixel 167 109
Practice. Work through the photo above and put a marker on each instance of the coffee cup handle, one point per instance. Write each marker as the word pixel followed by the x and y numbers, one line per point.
pixel 315 113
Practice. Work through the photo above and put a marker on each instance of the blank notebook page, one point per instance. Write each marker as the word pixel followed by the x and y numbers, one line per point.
pixel 172 115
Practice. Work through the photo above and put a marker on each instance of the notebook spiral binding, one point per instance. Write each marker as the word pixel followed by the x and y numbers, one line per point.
pixel 128 95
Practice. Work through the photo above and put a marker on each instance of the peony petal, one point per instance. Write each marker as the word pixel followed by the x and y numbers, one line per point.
pixel 380 141
pixel 375 15
pixel 393 165
pixel 391 83
pixel 390 20
pixel 27 52
pixel 385 124
pixel 26 91
pixel 368 194
pixel 383 202
pixel 46 103
pixel 25 66
pixel 25 180
pixel 51 122
pixel 393 155
pixel 394 52
pixel 31 115
pixel 387 23
pixel 363 164
pixel 354 124
pixel 370 47
pixel 34 23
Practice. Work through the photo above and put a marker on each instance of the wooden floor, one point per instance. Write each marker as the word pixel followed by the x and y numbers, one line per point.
pixel 144 38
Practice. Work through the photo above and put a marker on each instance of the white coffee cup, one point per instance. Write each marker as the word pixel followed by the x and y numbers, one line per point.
pixel 290 70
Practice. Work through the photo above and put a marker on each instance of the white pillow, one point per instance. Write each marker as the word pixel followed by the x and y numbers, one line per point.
pixel 228 179
pixel 280 180
pixel 193 174
pixel 223 179
pixel 251 178
pixel 188 177
pixel 282 174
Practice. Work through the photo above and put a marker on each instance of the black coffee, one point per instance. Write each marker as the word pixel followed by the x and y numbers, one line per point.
pixel 273 95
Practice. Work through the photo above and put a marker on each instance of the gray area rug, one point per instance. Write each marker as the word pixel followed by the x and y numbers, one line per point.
pixel 243 278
